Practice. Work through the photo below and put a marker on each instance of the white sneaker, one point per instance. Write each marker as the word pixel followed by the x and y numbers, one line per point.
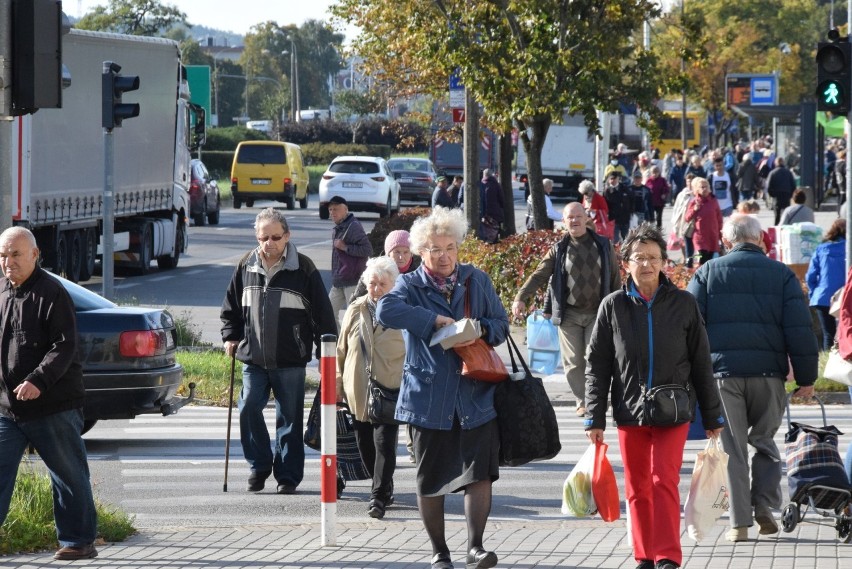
pixel 737 534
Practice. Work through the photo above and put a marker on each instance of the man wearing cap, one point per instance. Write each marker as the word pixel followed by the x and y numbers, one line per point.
pixel 350 250
pixel 620 203
pixel 441 196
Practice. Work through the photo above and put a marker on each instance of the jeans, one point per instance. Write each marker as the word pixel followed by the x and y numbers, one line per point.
pixel 621 231
pixel 288 388
pixel 57 440
pixel 377 445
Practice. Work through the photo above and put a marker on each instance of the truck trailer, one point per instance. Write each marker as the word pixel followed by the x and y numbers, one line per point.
pixel 58 159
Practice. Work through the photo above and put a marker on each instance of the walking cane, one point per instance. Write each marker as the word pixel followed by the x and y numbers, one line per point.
pixel 230 410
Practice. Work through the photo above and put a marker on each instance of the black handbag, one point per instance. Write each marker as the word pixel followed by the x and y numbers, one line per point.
pixel 381 400
pixel 667 405
pixel 350 465
pixel 526 420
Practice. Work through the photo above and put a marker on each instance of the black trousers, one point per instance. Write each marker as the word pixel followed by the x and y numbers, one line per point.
pixel 377 445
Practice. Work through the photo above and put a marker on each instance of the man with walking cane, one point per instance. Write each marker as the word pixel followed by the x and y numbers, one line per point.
pixel 276 307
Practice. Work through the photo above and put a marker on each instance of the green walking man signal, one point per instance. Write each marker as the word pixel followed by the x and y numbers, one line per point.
pixel 834 75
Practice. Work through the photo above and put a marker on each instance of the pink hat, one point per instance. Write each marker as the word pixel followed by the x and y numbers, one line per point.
pixel 398 238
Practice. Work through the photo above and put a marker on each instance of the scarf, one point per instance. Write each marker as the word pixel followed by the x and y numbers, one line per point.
pixel 444 285
pixel 371 308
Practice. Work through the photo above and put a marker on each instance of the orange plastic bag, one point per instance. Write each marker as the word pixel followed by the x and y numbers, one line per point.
pixel 604 487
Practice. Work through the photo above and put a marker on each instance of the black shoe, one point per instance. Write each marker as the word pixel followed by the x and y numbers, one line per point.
pixel 389 502
pixel 667 564
pixel 341 484
pixel 645 564
pixel 478 558
pixel 376 509
pixel 257 480
pixel 286 489
pixel 442 561
pixel 69 553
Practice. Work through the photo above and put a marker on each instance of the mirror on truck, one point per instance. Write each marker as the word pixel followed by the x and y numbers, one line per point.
pixel 199 127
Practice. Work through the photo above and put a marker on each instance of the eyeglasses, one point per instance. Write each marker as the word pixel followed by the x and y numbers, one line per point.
pixel 266 238
pixel 438 253
pixel 642 261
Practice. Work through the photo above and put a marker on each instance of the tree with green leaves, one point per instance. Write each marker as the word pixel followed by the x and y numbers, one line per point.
pixel 527 62
pixel 134 17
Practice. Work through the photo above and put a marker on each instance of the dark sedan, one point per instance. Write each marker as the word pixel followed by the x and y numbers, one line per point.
pixel 416 177
pixel 128 358
pixel 204 200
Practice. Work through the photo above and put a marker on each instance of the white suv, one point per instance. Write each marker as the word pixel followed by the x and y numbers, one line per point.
pixel 365 182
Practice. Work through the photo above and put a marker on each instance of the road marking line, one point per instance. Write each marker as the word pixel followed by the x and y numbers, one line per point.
pixel 163 278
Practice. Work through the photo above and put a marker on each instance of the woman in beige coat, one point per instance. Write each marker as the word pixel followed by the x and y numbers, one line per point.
pixel 363 344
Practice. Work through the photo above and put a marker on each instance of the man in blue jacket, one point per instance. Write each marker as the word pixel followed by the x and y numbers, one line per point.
pixel 756 318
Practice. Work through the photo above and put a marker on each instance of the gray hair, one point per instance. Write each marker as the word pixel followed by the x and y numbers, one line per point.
pixel 586 187
pixel 741 228
pixel 17 231
pixel 547 182
pixel 380 267
pixel 643 233
pixel 271 214
pixel 442 221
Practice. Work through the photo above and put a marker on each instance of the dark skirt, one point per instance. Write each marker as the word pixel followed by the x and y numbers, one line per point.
pixel 447 461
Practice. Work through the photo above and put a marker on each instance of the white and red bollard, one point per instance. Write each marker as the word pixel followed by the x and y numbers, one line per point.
pixel 328 440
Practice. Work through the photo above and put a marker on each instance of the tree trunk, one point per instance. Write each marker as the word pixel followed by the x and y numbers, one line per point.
pixel 504 159
pixel 471 162
pixel 532 137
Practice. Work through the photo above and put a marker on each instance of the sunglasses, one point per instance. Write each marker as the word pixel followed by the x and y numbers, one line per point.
pixel 273 237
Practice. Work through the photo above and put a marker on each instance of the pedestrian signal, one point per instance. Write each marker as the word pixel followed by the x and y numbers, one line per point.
pixel 834 81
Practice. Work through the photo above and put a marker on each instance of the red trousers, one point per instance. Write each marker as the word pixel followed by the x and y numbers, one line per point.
pixel 652 459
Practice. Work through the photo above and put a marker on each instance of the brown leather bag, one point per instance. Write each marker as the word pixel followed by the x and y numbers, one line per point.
pixel 479 360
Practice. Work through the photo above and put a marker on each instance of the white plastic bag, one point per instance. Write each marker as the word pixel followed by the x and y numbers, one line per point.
pixel 577 497
pixel 708 491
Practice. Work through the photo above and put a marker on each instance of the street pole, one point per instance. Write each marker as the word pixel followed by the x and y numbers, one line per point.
pixel 848 159
pixel 683 91
pixel 109 213
pixel 292 84
pixel 6 123
pixel 471 160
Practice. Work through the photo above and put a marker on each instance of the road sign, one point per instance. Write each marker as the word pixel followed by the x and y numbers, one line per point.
pixel 458 116
pixel 763 90
pixel 456 93
pixel 751 89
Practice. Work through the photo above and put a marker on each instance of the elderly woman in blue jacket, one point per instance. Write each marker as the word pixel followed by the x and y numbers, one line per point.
pixel 452 417
pixel 826 275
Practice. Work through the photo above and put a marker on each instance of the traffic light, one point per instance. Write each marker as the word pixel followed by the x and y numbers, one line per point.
pixel 37 29
pixel 113 86
pixel 834 81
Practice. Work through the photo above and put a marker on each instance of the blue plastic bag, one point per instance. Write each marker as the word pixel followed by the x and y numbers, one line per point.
pixel 542 343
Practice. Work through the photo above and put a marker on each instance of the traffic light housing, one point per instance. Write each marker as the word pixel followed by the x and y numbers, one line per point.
pixel 37 29
pixel 113 86
pixel 834 77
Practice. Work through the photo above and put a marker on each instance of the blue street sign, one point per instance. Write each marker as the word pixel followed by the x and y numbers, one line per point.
pixel 455 82
pixel 764 90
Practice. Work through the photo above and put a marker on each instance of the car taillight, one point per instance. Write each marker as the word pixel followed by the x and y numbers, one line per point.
pixel 288 182
pixel 233 180
pixel 142 343
pixel 194 186
pixel 327 177
pixel 378 178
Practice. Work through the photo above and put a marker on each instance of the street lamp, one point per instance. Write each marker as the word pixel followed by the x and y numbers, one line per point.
pixel 294 81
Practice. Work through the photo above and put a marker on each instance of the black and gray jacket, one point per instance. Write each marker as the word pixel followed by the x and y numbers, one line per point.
pixel 636 343
pixel 277 320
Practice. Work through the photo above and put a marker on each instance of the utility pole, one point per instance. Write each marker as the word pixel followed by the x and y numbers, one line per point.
pixel 471 160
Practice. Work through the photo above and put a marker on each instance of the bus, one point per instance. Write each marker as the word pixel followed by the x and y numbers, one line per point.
pixel 671 132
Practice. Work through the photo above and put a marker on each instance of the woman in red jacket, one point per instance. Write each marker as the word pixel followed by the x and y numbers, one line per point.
pixel 704 209
pixel 597 208
pixel 658 188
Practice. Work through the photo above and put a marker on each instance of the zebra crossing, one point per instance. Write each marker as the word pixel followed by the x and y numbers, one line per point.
pixel 169 471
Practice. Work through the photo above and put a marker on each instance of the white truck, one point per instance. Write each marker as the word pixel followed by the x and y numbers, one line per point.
pixel 58 159
pixel 567 158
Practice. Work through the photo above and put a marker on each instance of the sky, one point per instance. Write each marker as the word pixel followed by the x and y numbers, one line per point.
pixel 229 15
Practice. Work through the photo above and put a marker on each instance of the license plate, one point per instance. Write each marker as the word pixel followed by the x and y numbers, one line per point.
pixel 353 185
pixel 261 181
pixel 405 180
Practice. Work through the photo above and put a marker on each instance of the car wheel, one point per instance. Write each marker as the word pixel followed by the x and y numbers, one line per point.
pixel 171 261
pixel 386 212
pixel 75 256
pixel 249 203
pixel 90 252
pixel 200 218
pixel 323 212
pixel 213 216
pixel 303 203
pixel 291 200
pixel 238 203
pixel 60 262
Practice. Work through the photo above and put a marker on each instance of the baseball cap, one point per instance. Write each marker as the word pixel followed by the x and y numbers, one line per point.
pixel 337 200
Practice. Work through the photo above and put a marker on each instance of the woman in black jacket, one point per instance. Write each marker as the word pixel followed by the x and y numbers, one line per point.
pixel 647 335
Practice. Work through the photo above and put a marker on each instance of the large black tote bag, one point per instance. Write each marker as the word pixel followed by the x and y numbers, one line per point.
pixel 350 466
pixel 525 418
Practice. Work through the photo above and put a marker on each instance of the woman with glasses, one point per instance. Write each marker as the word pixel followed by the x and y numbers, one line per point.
pixel 368 351
pixel 649 334
pixel 452 417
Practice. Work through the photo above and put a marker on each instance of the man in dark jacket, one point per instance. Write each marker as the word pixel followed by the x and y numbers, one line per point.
pixel 275 310
pixel 350 250
pixel 780 186
pixel 41 392
pixel 620 202
pixel 756 317
pixel 581 270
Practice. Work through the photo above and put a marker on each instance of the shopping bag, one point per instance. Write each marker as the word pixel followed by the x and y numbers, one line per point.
pixel 708 490
pixel 837 369
pixel 577 497
pixel 541 333
pixel 604 486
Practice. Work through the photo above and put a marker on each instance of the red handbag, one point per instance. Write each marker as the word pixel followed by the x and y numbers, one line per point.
pixel 604 486
pixel 479 360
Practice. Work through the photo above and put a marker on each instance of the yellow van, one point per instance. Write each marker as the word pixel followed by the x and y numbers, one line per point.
pixel 269 170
